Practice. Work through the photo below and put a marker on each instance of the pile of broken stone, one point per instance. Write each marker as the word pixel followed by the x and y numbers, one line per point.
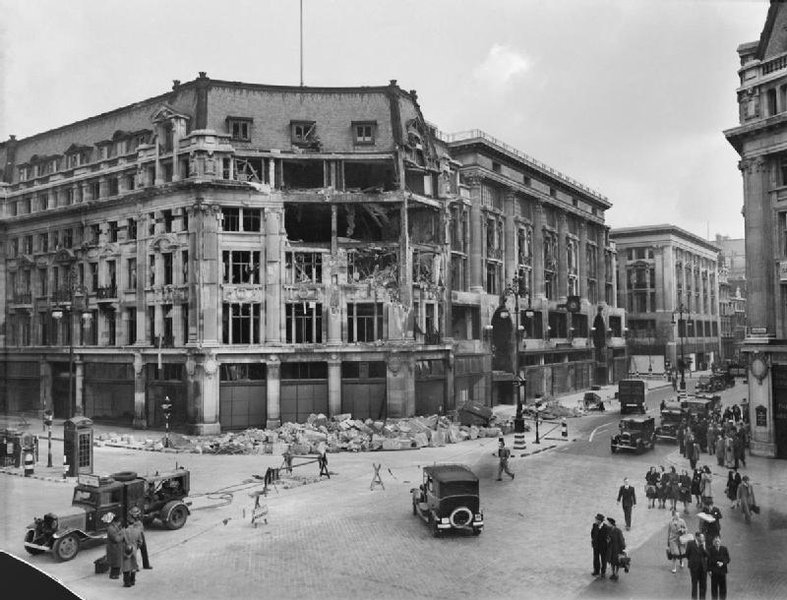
pixel 340 433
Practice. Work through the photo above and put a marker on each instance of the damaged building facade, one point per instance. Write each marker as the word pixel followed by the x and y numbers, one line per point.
pixel 253 254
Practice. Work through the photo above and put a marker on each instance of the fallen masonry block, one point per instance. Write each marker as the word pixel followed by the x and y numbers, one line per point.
pixel 378 425
pixel 390 444
pixel 473 432
pixel 438 439
pixel 463 435
pixel 420 440
pixel 453 434
pixel 342 417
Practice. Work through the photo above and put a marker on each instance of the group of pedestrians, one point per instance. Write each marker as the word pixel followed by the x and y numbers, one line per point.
pixel 703 560
pixel 123 542
pixel 664 486
pixel 609 547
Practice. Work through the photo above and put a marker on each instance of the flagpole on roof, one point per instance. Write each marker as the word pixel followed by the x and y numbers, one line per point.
pixel 301 3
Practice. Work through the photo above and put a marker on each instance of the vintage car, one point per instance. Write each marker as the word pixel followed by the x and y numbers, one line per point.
pixel 636 434
pixel 671 416
pixel 448 499
pixel 701 405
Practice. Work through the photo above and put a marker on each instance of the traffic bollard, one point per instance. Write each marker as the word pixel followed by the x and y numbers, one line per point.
pixel 564 428
pixel 29 462
pixel 65 467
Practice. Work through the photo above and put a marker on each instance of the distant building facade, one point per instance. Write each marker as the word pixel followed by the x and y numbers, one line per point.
pixel 257 253
pixel 760 139
pixel 661 269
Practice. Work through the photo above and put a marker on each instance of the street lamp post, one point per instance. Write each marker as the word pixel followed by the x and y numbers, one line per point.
pixel 681 310
pixel 518 287
pixel 166 408
pixel 48 422
pixel 72 290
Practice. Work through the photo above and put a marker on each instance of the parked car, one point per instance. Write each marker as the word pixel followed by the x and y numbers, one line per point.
pixel 448 499
pixel 636 434
pixel 701 405
pixel 671 416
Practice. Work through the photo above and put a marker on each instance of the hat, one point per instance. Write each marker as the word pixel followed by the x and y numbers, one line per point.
pixel 599 517
pixel 611 520
pixel 135 512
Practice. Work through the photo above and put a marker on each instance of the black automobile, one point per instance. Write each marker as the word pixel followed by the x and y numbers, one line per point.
pixel 636 434
pixel 448 499
pixel 671 416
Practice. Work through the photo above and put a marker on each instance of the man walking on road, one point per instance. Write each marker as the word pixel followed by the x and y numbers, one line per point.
pixel 503 455
pixel 697 557
pixel 628 499
pixel 598 540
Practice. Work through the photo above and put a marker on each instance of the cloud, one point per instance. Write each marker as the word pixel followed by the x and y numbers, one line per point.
pixel 501 66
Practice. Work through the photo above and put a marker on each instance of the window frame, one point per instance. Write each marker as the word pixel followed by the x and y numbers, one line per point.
pixel 360 139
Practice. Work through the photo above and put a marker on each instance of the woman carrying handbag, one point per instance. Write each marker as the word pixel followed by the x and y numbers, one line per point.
pixel 675 551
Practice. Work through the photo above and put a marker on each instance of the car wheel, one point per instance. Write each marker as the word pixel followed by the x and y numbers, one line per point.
pixel 67 547
pixel 175 516
pixel 476 531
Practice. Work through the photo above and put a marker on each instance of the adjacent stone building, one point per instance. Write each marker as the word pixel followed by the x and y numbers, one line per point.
pixel 761 141
pixel 661 270
pixel 254 254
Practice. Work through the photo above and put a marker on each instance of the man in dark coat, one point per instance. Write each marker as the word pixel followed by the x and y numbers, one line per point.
pixel 718 559
pixel 697 558
pixel 616 545
pixel 115 545
pixel 628 499
pixel 598 540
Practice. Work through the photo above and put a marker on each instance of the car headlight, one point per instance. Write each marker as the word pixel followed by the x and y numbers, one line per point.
pixel 445 520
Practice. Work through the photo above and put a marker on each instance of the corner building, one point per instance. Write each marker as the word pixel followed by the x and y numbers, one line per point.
pixel 760 139
pixel 259 253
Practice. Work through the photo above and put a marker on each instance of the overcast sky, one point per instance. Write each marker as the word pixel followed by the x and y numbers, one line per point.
pixel 630 97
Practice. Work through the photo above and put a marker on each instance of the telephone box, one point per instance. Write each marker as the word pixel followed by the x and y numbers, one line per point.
pixel 78 445
pixel 10 448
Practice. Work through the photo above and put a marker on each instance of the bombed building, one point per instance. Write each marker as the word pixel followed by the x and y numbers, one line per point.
pixel 252 254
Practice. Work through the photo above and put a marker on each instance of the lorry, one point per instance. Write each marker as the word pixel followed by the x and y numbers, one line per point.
pixel 448 499
pixel 95 502
pixel 631 394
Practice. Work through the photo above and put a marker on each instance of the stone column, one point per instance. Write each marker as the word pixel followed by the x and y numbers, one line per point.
pixel 207 405
pixel 79 386
pixel 334 385
pixel 210 276
pixel 274 393
pixel 582 262
pixel 510 250
pixel 476 241
pixel 274 240
pixel 45 372
pixel 405 257
pixel 177 125
pixel 562 257
pixel 539 290
pixel 401 386
pixel 140 415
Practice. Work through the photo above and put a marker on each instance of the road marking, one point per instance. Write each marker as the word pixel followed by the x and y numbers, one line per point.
pixel 592 433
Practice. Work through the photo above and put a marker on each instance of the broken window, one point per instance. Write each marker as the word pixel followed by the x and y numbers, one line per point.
pixel 310 223
pixel 239 128
pixel 364 322
pixel 369 176
pixel 303 322
pixel 232 218
pixel 492 278
pixel 364 132
pixel 427 268
pixel 241 266
pixel 425 225
pixel 303 267
pixel 240 323
pixel 304 134
pixel 373 263
pixel 250 169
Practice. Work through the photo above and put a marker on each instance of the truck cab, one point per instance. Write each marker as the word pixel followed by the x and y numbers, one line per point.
pixel 632 394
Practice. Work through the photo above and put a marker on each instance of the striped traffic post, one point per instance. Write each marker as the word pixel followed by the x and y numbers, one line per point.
pixel 29 463
pixel 564 428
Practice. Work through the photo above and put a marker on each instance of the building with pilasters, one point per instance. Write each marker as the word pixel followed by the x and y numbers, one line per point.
pixel 661 269
pixel 257 253
pixel 760 139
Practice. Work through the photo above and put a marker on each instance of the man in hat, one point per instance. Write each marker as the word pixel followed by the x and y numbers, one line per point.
pixel 503 455
pixel 615 547
pixel 132 540
pixel 598 540
pixel 115 545
pixel 628 499
pixel 135 520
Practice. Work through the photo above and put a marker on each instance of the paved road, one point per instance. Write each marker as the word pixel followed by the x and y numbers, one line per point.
pixel 339 539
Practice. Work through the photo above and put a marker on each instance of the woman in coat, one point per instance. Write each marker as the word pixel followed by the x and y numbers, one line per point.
pixel 115 546
pixel 707 493
pixel 720 446
pixel 733 481
pixel 746 497
pixel 696 485
pixel 729 453
pixel 616 545
pixel 132 540
pixel 651 486
pixel 675 528
pixel 662 488
pixel 684 481
pixel 673 488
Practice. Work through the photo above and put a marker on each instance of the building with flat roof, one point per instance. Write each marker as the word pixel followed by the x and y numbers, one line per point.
pixel 253 254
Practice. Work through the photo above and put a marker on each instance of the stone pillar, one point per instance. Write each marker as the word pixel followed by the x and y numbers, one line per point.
pixel 405 257
pixel 195 276
pixel 206 405
pixel 177 125
pixel 562 257
pixel 274 393
pixel 274 241
pixel 476 241
pixel 510 250
pixel 602 265
pixel 162 138
pixel 272 172
pixel 401 386
pixel 539 291
pixel 763 440
pixel 614 266
pixel 210 275
pixel 582 261
pixel 79 387
pixel 140 386
pixel 45 372
pixel 334 385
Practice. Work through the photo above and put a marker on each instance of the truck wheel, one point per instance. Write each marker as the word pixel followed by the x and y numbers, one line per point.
pixel 29 536
pixel 174 515
pixel 67 547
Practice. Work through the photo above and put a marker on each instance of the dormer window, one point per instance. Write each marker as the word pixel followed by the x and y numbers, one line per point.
pixel 239 128
pixel 364 132
pixel 24 173
pixel 304 133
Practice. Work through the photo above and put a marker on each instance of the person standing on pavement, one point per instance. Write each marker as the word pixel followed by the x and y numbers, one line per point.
pixel 733 481
pixel 503 454
pixel 696 485
pixel 662 487
pixel 707 493
pixel 135 520
pixel 675 528
pixel 673 491
pixel 131 543
pixel 729 452
pixel 628 499
pixel 617 543
pixel 718 559
pixel 694 454
pixel 115 545
pixel 697 559
pixel 685 489
pixel 651 486
pixel 720 447
pixel 746 497
pixel 599 534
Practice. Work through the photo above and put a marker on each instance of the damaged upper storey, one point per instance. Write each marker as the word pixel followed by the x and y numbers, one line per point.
pixel 318 144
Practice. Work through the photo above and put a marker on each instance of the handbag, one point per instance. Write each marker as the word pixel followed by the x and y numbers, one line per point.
pixel 670 556
pixel 755 509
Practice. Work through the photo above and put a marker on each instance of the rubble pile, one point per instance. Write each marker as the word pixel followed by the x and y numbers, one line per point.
pixel 340 433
